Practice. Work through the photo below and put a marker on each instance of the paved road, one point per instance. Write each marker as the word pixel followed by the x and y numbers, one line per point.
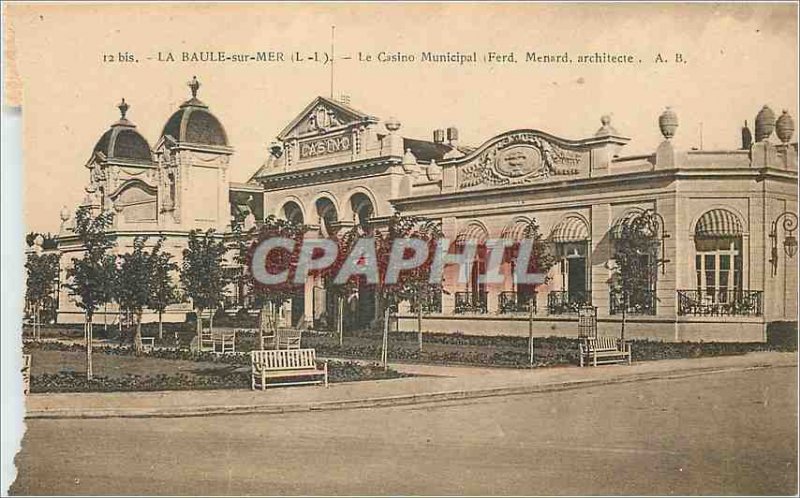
pixel 725 433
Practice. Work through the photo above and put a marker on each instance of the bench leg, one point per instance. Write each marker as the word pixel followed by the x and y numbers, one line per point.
pixel 263 381
pixel 253 381
pixel 326 373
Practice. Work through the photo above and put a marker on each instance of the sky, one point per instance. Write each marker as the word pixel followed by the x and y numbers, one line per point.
pixel 737 59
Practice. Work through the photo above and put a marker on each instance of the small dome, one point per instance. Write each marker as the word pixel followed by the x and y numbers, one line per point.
pixel 194 123
pixel 122 141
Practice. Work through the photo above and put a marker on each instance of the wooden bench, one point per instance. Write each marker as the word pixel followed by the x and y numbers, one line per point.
pixel 288 339
pixel 288 364
pixel 26 374
pixel 602 350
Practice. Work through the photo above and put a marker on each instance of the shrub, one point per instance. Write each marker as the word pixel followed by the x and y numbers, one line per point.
pixel 63 382
pixel 782 336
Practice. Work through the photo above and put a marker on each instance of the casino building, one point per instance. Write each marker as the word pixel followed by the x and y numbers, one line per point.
pixel 726 218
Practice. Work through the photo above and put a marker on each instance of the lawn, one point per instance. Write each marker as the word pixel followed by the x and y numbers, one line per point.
pixel 456 349
pixel 61 367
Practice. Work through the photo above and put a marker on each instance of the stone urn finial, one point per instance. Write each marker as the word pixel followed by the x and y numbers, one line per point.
pixel 392 124
pixel 668 123
pixel 409 162
pixel 123 108
pixel 65 214
pixel 434 171
pixel 194 86
pixel 765 123
pixel 784 127
pixel 606 129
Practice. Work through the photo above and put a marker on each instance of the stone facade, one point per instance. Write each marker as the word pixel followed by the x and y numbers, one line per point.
pixel 713 285
pixel 725 265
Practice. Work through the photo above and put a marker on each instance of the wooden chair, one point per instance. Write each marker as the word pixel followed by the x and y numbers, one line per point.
pixel 288 338
pixel 223 341
pixel 26 374
pixel 148 344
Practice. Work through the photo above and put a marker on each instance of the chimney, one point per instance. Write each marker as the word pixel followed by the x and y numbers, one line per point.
pixel 747 137
pixel 452 136
pixel 438 136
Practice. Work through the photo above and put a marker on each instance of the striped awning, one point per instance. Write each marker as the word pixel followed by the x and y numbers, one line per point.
pixel 622 221
pixel 472 232
pixel 718 223
pixel 515 232
pixel 570 229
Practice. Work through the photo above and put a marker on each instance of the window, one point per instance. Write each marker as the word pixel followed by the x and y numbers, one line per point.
pixel 718 266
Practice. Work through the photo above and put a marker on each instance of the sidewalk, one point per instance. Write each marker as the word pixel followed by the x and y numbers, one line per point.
pixel 431 384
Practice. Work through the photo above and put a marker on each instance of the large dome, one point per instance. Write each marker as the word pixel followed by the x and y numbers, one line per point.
pixel 194 123
pixel 122 141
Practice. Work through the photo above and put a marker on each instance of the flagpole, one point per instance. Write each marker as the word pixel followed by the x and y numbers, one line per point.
pixel 333 55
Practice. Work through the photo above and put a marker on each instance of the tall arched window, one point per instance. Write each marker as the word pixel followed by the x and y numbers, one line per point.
pixel 363 210
pixel 292 212
pixel 718 256
pixel 571 238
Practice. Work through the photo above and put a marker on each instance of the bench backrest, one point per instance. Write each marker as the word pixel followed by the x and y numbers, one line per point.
pixel 603 342
pixel 284 359
pixel 290 333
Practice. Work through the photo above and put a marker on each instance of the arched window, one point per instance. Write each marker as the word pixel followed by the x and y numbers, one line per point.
pixel 328 216
pixel 291 211
pixel 571 238
pixel 363 210
pixel 718 256
pixel 475 299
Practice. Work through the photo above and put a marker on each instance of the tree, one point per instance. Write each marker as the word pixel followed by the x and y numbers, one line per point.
pixel 42 274
pixel 412 285
pixel 134 283
pixel 202 276
pixel 541 260
pixel 271 297
pixel 163 290
pixel 87 278
pixel 636 257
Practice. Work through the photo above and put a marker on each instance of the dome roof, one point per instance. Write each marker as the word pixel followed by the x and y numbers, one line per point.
pixel 194 123
pixel 122 141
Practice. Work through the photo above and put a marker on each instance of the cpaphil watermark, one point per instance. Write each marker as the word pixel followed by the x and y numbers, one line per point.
pixel 278 261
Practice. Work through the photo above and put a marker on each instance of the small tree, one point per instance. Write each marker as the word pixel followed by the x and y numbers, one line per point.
pixel 134 279
pixel 42 274
pixel 163 290
pixel 202 276
pixel 87 278
pixel 541 261
pixel 636 256
pixel 272 297
pixel 412 285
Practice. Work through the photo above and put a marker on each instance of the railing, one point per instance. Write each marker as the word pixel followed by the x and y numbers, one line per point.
pixel 639 303
pixel 561 302
pixel 430 304
pixel 729 302
pixel 513 302
pixel 471 302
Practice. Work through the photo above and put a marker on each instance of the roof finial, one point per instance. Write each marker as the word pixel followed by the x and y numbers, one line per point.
pixel 123 108
pixel 194 85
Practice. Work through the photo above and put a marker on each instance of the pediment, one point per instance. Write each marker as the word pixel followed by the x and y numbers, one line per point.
pixel 522 157
pixel 321 116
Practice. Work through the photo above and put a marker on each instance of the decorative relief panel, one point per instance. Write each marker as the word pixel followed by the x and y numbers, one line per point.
pixel 516 159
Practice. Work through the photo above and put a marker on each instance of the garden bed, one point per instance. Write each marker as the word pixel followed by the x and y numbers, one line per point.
pixel 59 367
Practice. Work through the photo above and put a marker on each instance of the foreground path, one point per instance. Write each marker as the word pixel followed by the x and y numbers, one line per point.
pixel 433 383
pixel 727 433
